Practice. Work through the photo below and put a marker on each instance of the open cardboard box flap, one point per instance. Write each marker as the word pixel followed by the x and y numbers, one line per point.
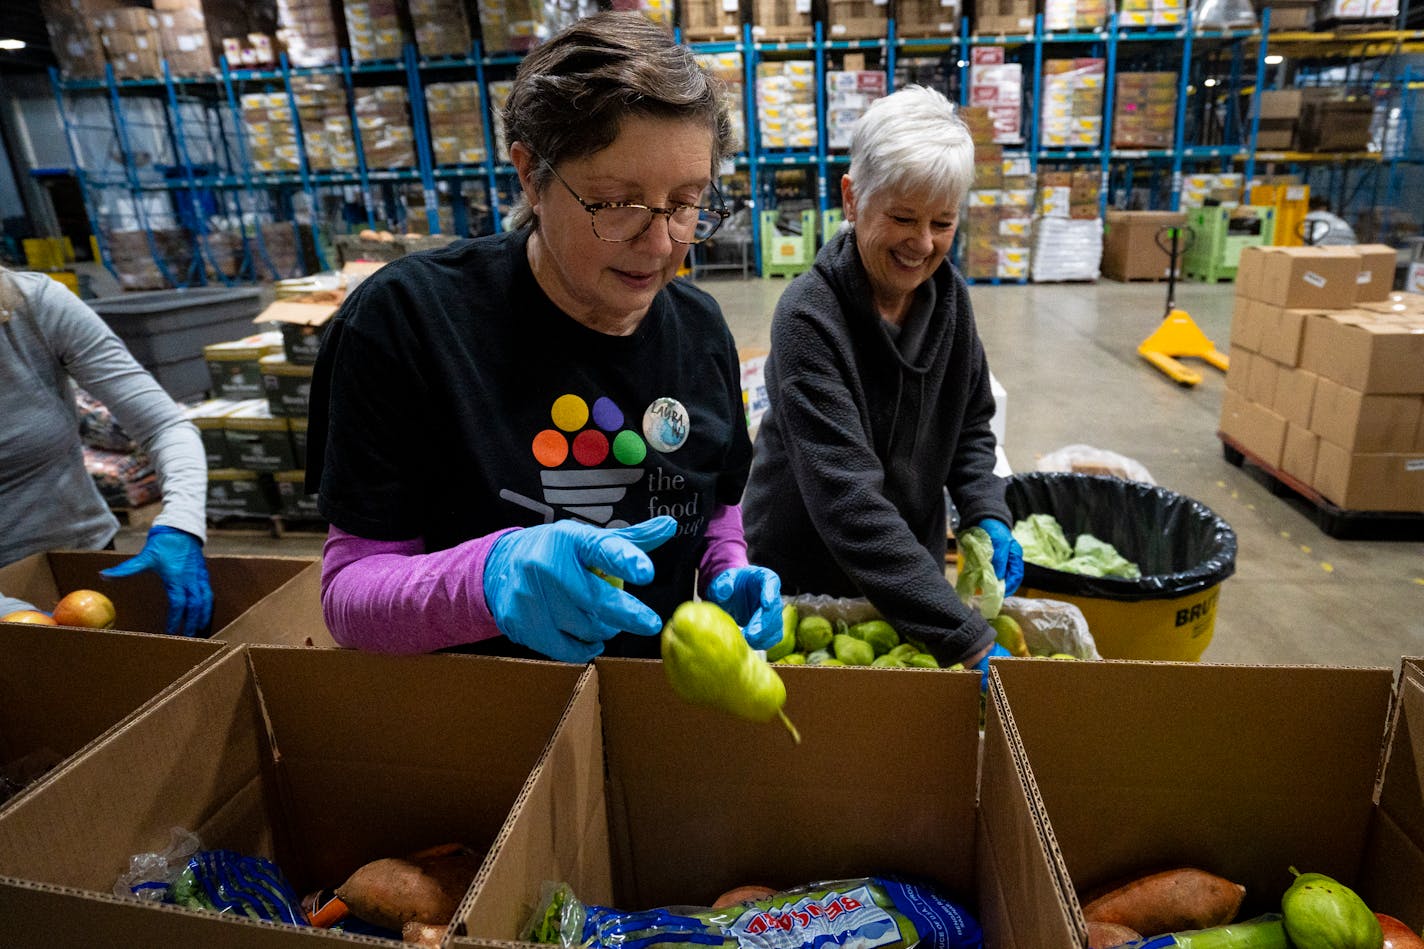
pixel 320 760
pixel 1240 770
pixel 643 801
pixel 241 586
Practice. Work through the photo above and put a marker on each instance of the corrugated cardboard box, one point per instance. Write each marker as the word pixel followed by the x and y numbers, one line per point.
pixel 1261 384
pixel 1376 279
pixel 1298 453
pixel 64 688
pixel 1239 372
pixel 255 599
pixel 1108 760
pixel 319 760
pixel 1365 481
pixel 1295 277
pixel 606 814
pixel 1364 423
pixel 1130 249
pixel 1254 427
pixel 1361 353
pixel 1295 395
pixel 1282 332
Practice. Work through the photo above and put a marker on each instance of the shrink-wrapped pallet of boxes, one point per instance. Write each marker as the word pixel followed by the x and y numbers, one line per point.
pixel 383 120
pixel 441 27
pixel 456 131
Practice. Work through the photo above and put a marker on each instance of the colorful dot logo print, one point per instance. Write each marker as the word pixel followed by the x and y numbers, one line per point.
pixel 666 424
pixel 587 491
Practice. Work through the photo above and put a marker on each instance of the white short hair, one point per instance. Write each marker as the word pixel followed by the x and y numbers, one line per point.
pixel 912 140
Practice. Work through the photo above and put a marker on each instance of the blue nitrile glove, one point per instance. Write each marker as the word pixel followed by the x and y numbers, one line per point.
pixel 177 557
pixel 1008 554
pixel 753 596
pixel 983 664
pixel 543 595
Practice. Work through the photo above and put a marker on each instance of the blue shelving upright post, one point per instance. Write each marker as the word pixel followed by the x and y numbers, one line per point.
pixel 1262 46
pixel 1035 93
pixel 1179 129
pixel 363 175
pixel 423 156
pixel 225 73
pixel 195 204
pixel 303 168
pixel 819 52
pixel 1109 103
pixel 80 175
pixel 116 109
pixel 753 141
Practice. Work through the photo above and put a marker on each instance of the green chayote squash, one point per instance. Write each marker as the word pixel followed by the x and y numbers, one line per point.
pixel 813 633
pixel 880 634
pixel 708 662
pixel 852 651
pixel 788 635
pixel 1323 913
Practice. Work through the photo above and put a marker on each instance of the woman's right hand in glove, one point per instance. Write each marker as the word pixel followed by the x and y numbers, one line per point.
pixel 543 595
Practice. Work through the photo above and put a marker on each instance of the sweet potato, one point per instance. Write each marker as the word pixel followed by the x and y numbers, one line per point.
pixel 1108 935
pixel 1169 901
pixel 425 887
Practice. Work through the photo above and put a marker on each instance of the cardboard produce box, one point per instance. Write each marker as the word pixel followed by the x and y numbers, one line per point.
pixel 1256 428
pixel 621 812
pixel 255 599
pixel 64 688
pixel 1370 481
pixel 319 760
pixel 1361 352
pixel 1130 249
pixel 1295 277
pixel 1244 772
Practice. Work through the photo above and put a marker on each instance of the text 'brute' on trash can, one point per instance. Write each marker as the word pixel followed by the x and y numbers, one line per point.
pixel 1182 549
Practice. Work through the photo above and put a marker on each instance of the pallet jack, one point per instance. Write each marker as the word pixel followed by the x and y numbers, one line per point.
pixel 1178 337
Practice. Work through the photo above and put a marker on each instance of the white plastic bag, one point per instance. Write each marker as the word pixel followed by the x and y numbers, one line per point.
pixel 1085 459
pixel 1052 626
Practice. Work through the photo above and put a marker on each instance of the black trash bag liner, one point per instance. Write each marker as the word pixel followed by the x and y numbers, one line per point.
pixel 1180 545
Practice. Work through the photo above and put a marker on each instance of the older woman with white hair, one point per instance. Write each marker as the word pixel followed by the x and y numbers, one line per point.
pixel 879 395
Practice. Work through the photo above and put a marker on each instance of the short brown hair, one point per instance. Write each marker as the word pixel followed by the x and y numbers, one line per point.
pixel 571 94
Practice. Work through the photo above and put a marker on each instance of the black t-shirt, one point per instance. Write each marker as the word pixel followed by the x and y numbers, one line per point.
pixel 452 398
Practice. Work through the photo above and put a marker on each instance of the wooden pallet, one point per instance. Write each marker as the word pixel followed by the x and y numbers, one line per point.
pixel 1333 521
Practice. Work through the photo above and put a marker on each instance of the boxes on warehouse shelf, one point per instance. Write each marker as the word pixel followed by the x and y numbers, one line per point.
pixel 728 68
pixel 1072 103
pixel 1345 10
pixel 258 440
pixel 383 122
pixel 711 20
pixel 374 30
pixel 255 599
pixel 927 18
pixel 457 132
pixel 1280 111
pixel 1130 248
pixel 604 815
pixel 132 41
pixel 288 386
pixel 234 493
pixel 298 428
pixel 848 94
pixel 1252 738
pixel 998 88
pixel 325 123
pixel 782 19
pixel 293 501
pixel 65 688
pixel 441 27
pixel 310 31
pixel 240 754
pixel 1004 16
pixel 74 35
pixel 167 330
pixel 1338 122
pixel 856 19
pixel 234 368
pixel 207 417
pixel 1144 110
pixel 1074 15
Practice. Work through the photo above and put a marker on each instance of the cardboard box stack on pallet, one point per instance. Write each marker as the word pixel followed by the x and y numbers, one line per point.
pixel 441 27
pixel 383 118
pixel 189 34
pixel 325 121
pixel 786 103
pixel 457 133
pixel 1314 119
pixel 1068 235
pixel 1010 17
pixel 1288 16
pixel 1077 16
pixel 727 67
pixel 310 32
pixel 1073 103
pixel 271 135
pixel 710 21
pixel 1130 247
pixel 1326 385
pixel 135 255
pixel 374 30
pixel 517 26
pixel 1344 12
pixel 1225 189
pixel 848 94
pixel 926 18
pixel 856 19
pixel 1151 13
pixel 1145 110
pixel 997 86
pixel 782 20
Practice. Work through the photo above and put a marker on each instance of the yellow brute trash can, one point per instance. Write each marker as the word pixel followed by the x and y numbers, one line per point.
pixel 1183 549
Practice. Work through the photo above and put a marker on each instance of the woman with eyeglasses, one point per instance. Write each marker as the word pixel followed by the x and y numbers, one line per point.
pixel 497 423
pixel 879 394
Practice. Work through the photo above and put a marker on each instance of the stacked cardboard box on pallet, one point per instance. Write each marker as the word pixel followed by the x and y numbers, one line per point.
pixel 374 30
pixel 1074 15
pixel 456 132
pixel 727 67
pixel 1152 13
pixel 855 19
pixel 441 27
pixel 1073 103
pixel 997 86
pixel 1345 11
pixel 269 132
pixel 131 42
pixel 1130 248
pixel 1004 16
pixel 1145 110
pixel 310 32
pixel 1288 15
pixel 786 103
pixel 1068 235
pixel 1327 374
pixel 326 124
pixel 72 36
pixel 1224 188
pixel 848 94
pixel 134 259
pixel 782 20
pixel 998 221
pixel 383 120
pixel 926 18
pixel 711 20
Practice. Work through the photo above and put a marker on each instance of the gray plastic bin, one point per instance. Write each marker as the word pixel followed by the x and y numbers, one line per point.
pixel 166 330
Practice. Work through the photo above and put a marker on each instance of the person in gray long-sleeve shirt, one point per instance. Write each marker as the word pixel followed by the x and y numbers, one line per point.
pixel 50 339
pixel 879 395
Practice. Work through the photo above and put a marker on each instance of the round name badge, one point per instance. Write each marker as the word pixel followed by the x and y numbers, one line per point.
pixel 666 424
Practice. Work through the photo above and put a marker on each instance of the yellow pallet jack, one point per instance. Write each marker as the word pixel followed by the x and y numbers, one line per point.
pixel 1178 337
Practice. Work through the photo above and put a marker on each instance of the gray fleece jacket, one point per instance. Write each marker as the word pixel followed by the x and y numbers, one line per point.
pixel 867 425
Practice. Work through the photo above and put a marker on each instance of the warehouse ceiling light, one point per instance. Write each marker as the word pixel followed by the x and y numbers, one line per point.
pixel 1275 59
pixel 12 44
pixel 1209 83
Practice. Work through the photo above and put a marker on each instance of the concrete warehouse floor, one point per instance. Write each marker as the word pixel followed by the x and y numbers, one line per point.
pixel 1067 356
